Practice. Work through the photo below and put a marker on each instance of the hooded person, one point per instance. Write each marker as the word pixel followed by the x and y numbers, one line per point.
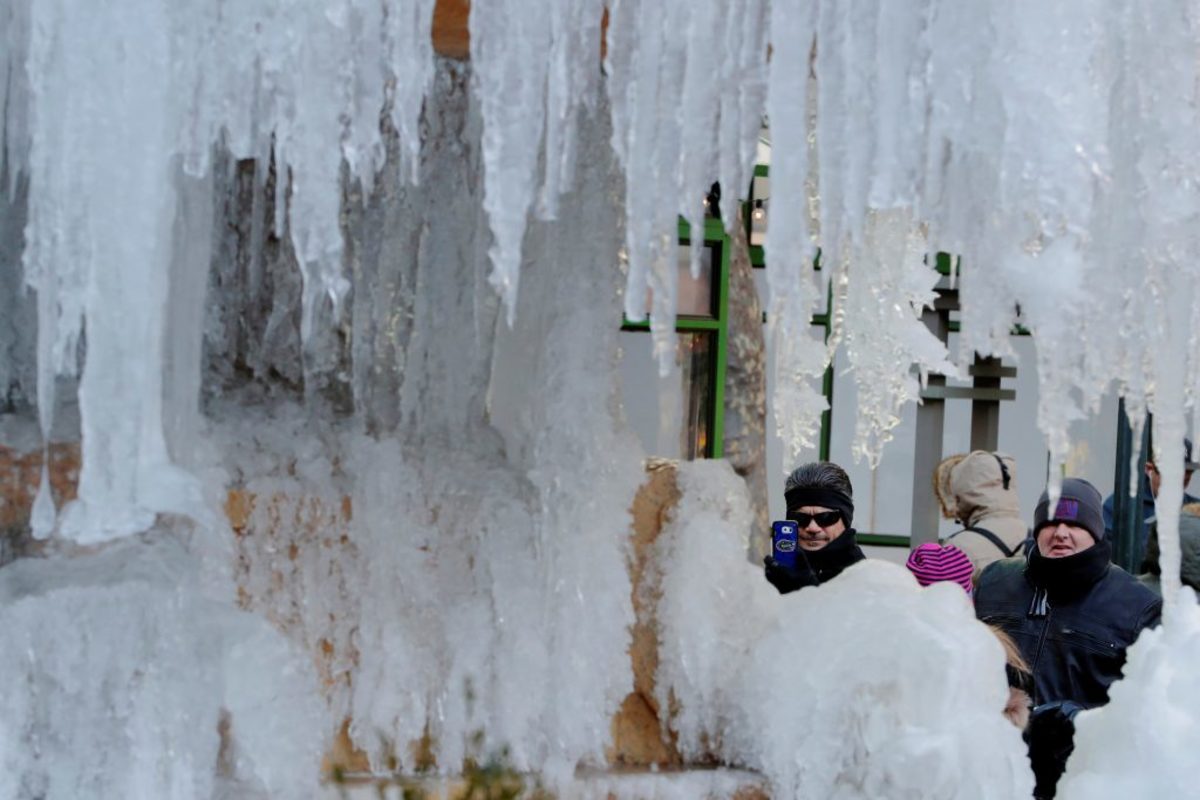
pixel 979 491
pixel 1151 482
pixel 1072 614
pixel 820 500
pixel 1189 545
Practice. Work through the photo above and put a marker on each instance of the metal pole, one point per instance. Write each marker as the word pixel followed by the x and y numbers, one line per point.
pixel 926 514
pixel 985 414
pixel 1127 510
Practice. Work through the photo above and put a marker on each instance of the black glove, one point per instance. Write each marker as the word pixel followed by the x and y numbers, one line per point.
pixel 1051 739
pixel 789 579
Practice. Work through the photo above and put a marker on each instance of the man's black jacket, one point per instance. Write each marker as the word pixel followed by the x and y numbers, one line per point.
pixel 1072 619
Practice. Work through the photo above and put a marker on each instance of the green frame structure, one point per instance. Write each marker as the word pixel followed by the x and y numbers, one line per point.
pixel 716 237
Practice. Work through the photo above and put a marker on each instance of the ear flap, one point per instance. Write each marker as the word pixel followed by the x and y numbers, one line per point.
pixel 941 485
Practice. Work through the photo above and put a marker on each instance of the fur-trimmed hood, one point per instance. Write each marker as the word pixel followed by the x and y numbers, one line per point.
pixel 978 485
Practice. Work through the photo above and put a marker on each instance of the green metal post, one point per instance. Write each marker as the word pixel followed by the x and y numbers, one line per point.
pixel 717 443
pixel 1127 511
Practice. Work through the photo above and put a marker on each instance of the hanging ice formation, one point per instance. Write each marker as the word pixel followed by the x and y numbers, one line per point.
pixel 1051 146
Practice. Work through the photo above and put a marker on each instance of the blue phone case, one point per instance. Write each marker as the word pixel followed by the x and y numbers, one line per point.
pixel 784 542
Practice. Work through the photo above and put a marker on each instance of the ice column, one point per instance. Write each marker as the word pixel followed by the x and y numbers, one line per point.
pixel 799 358
pixel 118 101
pixel 101 208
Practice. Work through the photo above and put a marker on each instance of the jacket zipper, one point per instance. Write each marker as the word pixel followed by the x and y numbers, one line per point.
pixel 1037 656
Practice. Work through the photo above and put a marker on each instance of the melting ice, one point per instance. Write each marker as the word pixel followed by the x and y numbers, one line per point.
pixel 1052 146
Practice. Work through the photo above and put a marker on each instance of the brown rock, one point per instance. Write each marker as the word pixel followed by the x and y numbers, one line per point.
pixel 637 729
pixel 21 474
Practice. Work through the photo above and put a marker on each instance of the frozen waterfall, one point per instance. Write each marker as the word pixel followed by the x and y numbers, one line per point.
pixel 280 251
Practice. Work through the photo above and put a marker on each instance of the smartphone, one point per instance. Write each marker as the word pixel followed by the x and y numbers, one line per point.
pixel 784 542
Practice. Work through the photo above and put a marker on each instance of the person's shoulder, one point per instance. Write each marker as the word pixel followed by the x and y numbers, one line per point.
pixel 1128 585
pixel 1004 568
pixel 1001 589
pixel 1151 582
pixel 1001 574
pixel 1132 596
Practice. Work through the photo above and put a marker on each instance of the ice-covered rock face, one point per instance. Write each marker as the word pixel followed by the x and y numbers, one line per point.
pixel 122 679
pixel 1052 146
pixel 1053 152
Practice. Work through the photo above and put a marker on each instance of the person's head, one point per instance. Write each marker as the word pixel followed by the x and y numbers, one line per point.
pixel 971 485
pixel 1075 524
pixel 1189 466
pixel 934 563
pixel 820 500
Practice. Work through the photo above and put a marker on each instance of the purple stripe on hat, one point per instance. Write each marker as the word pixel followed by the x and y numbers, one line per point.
pixel 934 563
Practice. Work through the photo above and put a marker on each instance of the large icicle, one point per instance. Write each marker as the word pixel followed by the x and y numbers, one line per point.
pixel 509 41
pixel 670 114
pixel 799 358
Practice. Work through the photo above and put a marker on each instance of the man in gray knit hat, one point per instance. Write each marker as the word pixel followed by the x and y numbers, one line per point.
pixel 1072 614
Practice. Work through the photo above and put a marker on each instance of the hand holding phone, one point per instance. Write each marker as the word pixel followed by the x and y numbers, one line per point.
pixel 786 568
pixel 785 541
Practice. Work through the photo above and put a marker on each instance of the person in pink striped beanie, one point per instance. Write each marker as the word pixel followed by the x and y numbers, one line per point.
pixel 931 563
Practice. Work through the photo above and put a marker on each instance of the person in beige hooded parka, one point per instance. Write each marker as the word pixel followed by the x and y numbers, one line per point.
pixel 979 490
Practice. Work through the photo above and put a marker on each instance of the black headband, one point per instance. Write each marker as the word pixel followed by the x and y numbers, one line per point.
pixel 800 496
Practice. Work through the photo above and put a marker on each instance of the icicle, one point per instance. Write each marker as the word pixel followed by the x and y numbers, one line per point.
pixel 697 116
pixel 889 285
pixel 743 78
pixel 509 40
pixel 799 356
pixel 572 80
pixel 408 48
pixel 667 116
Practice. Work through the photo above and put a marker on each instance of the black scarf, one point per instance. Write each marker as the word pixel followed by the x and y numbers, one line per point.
pixel 828 562
pixel 1070 577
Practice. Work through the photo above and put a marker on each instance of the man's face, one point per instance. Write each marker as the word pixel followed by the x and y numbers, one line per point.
pixel 1061 539
pixel 812 534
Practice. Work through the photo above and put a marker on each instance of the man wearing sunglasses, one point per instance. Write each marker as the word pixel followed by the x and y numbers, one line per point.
pixel 820 500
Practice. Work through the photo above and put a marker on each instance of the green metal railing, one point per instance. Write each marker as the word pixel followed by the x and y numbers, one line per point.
pixel 714 236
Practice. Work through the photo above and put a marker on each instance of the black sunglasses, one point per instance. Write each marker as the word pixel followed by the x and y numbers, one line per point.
pixel 823 518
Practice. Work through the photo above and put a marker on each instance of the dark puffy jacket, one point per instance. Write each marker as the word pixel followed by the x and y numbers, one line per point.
pixel 1189 545
pixel 1075 645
